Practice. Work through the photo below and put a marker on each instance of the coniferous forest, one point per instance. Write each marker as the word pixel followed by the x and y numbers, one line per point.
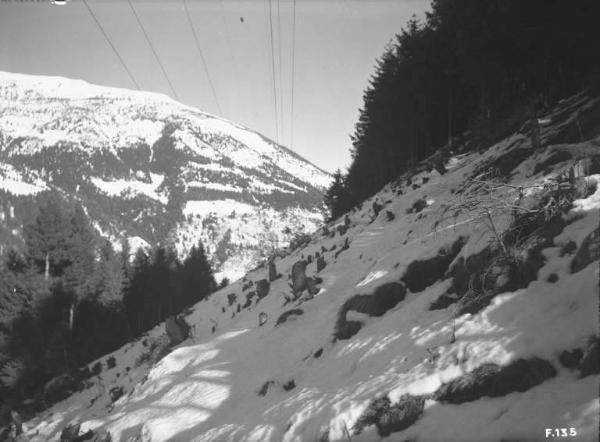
pixel 470 65
pixel 69 297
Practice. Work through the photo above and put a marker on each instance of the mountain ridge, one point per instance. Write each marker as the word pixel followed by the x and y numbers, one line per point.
pixel 100 143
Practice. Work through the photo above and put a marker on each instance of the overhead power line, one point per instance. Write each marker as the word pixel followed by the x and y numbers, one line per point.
pixel 153 50
pixel 131 77
pixel 293 73
pixel 199 49
pixel 282 112
pixel 273 70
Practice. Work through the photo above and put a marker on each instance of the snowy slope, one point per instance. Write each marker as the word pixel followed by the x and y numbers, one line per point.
pixel 145 165
pixel 210 388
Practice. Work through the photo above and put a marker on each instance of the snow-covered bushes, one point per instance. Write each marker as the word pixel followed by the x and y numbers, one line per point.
pixel 390 418
pixel 493 380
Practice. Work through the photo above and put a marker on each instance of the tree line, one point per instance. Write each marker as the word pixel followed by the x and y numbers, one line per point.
pixel 470 65
pixel 68 297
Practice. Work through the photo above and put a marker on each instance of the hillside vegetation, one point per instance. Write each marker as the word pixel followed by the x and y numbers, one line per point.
pixel 483 66
pixel 449 307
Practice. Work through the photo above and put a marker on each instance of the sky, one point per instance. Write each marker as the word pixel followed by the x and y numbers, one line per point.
pixel 233 71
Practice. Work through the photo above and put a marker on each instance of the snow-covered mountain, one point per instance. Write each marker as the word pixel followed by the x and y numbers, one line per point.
pixel 147 167
pixel 454 307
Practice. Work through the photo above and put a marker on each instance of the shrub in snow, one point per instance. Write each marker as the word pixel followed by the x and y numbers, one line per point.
pixel 111 362
pixel 420 274
pixel 493 380
pixel 60 388
pixel 299 240
pixel 345 246
pixel 177 329
pixel 231 298
pixel 265 387
pixel 83 373
pixel 587 253
pixel 318 353
pixel 552 278
pixel 285 315
pixel 249 297
pixel 417 206
pixel 290 385
pixel 342 229
pixel 157 349
pixel 390 418
pixel 376 208
pixel 97 368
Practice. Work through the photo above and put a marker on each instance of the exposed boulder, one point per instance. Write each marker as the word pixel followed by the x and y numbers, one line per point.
pixel 285 315
pixel 70 433
pixel 115 393
pixel 420 274
pixel 417 206
pixel 571 358
pixel 262 319
pixel 321 263
pixel 273 275
pixel 262 288
pixel 588 252
pixel 383 299
pixel 389 215
pixel 311 286
pixel 376 208
pixel 493 380
pixel 298 278
pixel 177 329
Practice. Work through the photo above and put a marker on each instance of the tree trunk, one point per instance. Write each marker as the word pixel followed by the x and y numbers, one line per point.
pixel 47 267
pixel 71 315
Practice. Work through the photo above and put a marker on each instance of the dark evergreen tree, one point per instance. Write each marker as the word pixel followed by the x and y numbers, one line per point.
pixel 197 279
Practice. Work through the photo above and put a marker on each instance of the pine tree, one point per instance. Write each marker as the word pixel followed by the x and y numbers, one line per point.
pixel 197 277
pixel 46 238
